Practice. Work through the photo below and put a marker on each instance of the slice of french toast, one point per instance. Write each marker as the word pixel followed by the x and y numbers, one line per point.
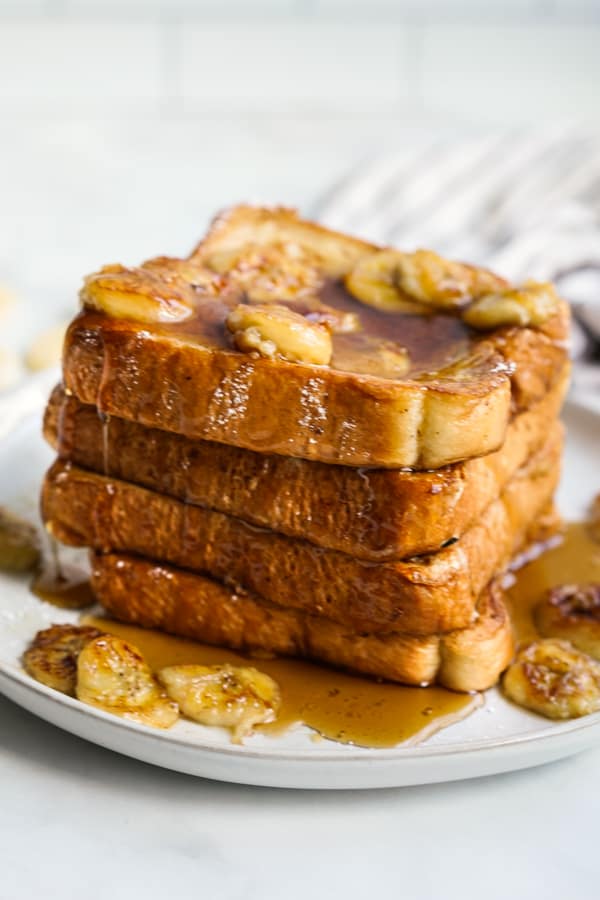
pixel 154 595
pixel 278 336
pixel 422 595
pixel 373 514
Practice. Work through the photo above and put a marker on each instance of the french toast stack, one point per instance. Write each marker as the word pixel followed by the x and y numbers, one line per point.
pixel 294 442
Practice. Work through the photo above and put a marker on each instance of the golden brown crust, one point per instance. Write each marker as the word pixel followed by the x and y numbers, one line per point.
pixel 158 596
pixel 242 225
pixel 453 404
pixel 423 595
pixel 373 514
pixel 271 406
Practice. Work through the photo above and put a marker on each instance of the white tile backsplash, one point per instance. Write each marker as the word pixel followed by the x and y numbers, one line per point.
pixel 295 66
pixel 169 9
pixel 82 65
pixel 316 63
pixel 77 194
pixel 442 10
pixel 512 74
pixel 577 10
pixel 125 124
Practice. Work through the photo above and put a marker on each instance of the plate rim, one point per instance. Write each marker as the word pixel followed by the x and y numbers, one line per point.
pixel 365 754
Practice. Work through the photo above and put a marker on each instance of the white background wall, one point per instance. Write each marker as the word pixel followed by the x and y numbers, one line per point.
pixel 124 124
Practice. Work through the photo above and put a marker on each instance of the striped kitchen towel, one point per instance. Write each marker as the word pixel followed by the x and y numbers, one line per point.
pixel 526 205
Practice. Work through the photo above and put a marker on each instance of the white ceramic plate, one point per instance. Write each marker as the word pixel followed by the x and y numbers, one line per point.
pixel 498 737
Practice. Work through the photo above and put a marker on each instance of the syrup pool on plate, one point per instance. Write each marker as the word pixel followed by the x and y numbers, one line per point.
pixel 572 559
pixel 345 708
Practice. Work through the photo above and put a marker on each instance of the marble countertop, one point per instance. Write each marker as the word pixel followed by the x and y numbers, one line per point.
pixel 77 820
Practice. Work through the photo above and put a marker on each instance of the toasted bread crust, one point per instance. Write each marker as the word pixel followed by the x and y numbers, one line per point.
pixel 271 406
pixel 311 412
pixel 144 593
pixel 371 514
pixel 243 224
pixel 424 595
pixel 193 383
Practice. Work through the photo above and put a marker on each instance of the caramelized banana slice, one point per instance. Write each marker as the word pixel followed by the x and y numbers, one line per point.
pixel 284 272
pixel 52 656
pixel 376 282
pixel 276 331
pixel 235 698
pixel 149 295
pixel 532 304
pixel 414 283
pixel 553 679
pixel 572 612
pixel 19 543
pixel 443 283
pixel 112 675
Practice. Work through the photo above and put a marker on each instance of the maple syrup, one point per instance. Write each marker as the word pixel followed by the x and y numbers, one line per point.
pixel 353 709
pixel 572 559
pixel 63 585
pixel 345 708
pixel 337 705
pixel 68 589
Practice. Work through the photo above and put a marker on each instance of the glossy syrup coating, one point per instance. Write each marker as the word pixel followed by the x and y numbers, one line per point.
pixel 423 595
pixel 419 390
pixel 372 514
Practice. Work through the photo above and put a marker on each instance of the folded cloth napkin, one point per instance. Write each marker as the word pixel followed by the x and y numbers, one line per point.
pixel 527 206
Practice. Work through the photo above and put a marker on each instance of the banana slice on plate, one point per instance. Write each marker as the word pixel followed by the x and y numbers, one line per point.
pixel 19 543
pixel 229 696
pixel 571 612
pixel 52 656
pixel 552 678
pixel 112 675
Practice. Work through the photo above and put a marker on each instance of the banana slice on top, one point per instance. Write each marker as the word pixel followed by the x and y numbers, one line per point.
pixel 53 653
pixel 146 294
pixel 572 612
pixel 531 304
pixel 554 679
pixel 417 283
pixel 112 675
pixel 233 697
pixel 276 331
